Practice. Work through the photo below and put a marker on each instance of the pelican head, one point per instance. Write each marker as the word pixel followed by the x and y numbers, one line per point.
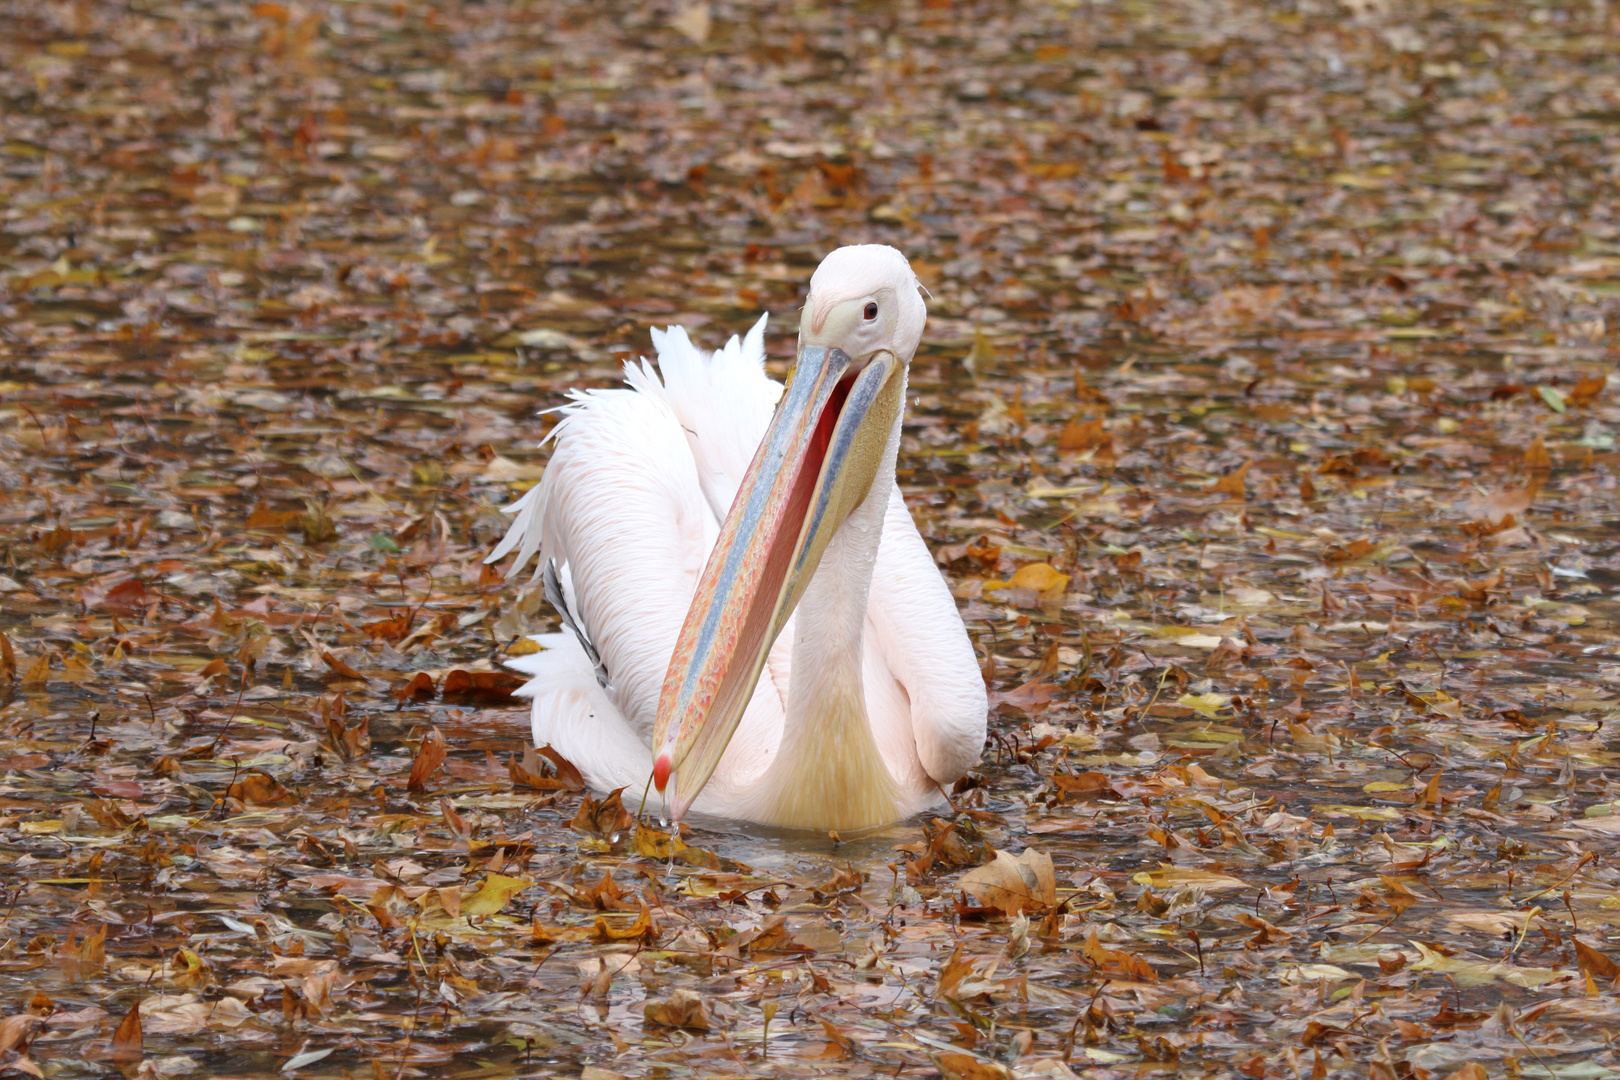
pixel 824 447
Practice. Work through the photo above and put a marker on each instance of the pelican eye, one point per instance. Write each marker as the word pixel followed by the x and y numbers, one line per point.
pixel 871 312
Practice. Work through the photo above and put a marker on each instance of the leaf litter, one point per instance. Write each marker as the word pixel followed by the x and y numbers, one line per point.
pixel 1263 429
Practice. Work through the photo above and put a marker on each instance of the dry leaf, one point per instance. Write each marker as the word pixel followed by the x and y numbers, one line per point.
pixel 1536 456
pixel 336 663
pixel 1013 884
pixel 127 1041
pixel 258 788
pixel 493 894
pixel 429 756
pixel 1595 963
pixel 643 927
pixel 681 1009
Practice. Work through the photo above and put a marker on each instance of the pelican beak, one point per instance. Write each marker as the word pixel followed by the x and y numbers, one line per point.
pixel 815 465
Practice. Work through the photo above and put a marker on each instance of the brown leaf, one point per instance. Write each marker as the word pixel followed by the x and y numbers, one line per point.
pixel 682 1009
pixel 1470 1071
pixel 1086 785
pixel 39 672
pixel 258 788
pixel 1586 390
pixel 1013 884
pixel 14 1029
pixel 1116 964
pixel 127 1041
pixel 1479 592
pixel 127 597
pixel 391 629
pixel 526 773
pixel 567 772
pixel 606 895
pixel 1232 483
pixel 1594 963
pixel 1536 456
pixel 643 927
pixel 1344 553
pixel 429 756
pixel 956 1065
pixel 8 658
pixel 605 819
pixel 1081 435
pixel 338 665
pixel 531 772
pixel 264 518
pixel 495 686
pixel 420 688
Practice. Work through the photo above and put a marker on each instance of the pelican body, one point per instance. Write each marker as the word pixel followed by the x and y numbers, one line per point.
pixel 751 620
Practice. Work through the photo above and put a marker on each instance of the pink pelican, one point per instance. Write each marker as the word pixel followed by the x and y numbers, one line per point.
pixel 752 620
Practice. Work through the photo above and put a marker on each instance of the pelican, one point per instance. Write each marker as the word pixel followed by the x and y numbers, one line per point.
pixel 751 620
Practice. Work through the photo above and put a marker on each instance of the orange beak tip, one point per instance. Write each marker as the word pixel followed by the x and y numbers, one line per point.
pixel 661 770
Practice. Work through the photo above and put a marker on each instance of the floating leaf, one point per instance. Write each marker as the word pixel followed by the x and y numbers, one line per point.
pixel 681 1009
pixel 127 1042
pixel 494 893
pixel 430 754
pixel 1013 884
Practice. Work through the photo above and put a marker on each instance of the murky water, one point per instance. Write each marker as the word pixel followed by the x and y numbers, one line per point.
pixel 1279 331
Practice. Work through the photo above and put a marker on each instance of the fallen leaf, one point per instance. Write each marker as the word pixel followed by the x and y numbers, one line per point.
pixel 681 1009
pixel 642 928
pixel 430 754
pixel 493 894
pixel 481 685
pixel 127 1042
pixel 1595 963
pixel 258 788
pixel 1013 884
pixel 1536 456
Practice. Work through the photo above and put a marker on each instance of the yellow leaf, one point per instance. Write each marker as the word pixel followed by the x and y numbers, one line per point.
pixel 1379 786
pixel 1205 704
pixel 39 672
pixel 493 895
pixel 1037 576
pixel 1166 877
pixel 1479 973
pixel 643 927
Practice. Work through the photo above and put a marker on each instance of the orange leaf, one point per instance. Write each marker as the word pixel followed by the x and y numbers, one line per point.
pixel 127 1040
pixel 1595 963
pixel 262 518
pixel 258 788
pixel 1080 435
pixel 340 667
pixel 1536 456
pixel 643 927
pixel 1087 785
pixel 1232 482
pixel 39 672
pixel 1586 389
pixel 420 687
pixel 429 756
pixel 526 773
pixel 566 771
pixel 481 685
pixel 127 596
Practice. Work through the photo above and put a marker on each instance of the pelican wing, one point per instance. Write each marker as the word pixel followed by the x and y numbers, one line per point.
pixel 630 503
